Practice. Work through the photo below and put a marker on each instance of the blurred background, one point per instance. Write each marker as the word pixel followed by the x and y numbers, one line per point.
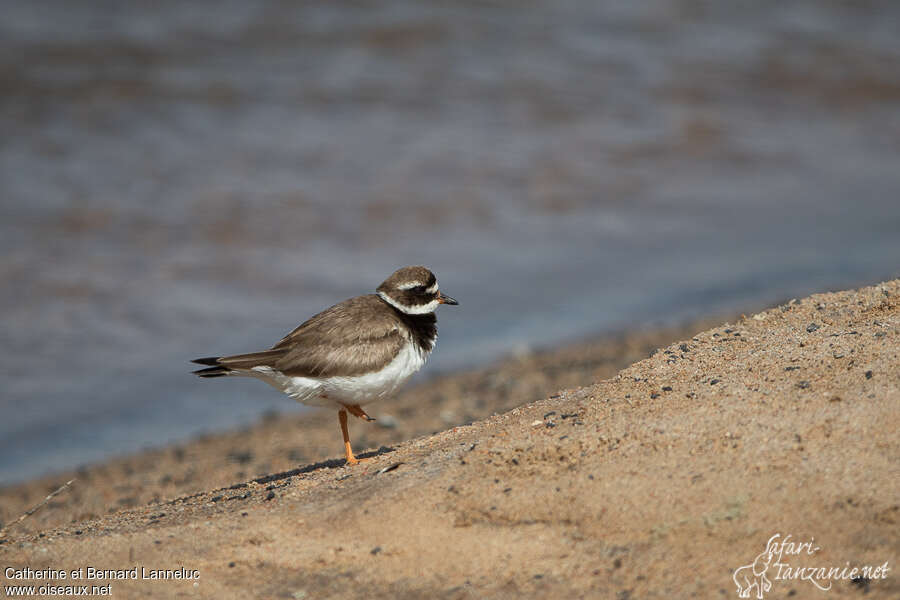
pixel 182 179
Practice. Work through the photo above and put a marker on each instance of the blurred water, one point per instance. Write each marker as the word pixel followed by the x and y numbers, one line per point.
pixel 181 179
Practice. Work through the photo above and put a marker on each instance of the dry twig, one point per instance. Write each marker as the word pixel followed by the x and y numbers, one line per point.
pixel 36 507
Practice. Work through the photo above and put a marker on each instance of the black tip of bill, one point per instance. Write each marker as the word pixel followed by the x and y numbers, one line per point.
pixel 445 299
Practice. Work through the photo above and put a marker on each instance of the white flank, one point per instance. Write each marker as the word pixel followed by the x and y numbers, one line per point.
pixel 411 310
pixel 359 389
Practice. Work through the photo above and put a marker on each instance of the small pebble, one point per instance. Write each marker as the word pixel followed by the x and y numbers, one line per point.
pixel 387 422
pixel 811 327
pixel 390 468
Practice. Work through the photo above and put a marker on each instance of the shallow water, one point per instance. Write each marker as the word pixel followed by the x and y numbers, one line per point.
pixel 181 180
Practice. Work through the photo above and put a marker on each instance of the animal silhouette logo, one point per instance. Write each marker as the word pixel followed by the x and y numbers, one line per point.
pixel 752 576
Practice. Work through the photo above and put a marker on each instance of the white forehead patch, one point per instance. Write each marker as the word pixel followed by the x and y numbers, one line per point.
pixel 414 284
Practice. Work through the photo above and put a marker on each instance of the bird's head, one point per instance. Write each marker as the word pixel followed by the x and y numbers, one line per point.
pixel 414 291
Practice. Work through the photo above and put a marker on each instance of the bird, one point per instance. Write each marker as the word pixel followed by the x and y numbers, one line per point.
pixel 351 354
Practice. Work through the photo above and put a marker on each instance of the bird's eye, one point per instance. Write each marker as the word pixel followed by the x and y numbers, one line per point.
pixel 419 289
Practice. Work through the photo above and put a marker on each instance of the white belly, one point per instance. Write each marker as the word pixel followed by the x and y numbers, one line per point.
pixel 359 389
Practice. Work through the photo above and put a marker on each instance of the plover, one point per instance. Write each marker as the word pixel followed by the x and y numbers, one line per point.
pixel 353 353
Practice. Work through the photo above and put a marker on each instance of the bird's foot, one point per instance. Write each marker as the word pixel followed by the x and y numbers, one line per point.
pixel 357 411
pixel 352 460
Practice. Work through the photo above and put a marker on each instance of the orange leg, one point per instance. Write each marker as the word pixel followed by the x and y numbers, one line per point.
pixel 342 417
pixel 357 411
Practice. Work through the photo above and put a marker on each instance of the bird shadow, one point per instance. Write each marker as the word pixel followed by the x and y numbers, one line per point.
pixel 325 464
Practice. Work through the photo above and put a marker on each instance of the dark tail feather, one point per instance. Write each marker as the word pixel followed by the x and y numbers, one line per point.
pixel 210 360
pixel 212 372
pixel 216 370
pixel 223 365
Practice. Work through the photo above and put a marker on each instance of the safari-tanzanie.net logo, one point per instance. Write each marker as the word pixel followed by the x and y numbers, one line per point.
pixel 787 560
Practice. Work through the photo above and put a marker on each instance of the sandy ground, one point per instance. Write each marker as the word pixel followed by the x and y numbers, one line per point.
pixel 655 482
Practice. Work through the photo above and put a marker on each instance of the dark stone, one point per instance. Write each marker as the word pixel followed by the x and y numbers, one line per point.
pixel 240 457
pixel 862 583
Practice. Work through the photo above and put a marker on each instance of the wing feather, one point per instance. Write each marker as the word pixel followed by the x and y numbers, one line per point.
pixel 350 338
pixel 354 337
